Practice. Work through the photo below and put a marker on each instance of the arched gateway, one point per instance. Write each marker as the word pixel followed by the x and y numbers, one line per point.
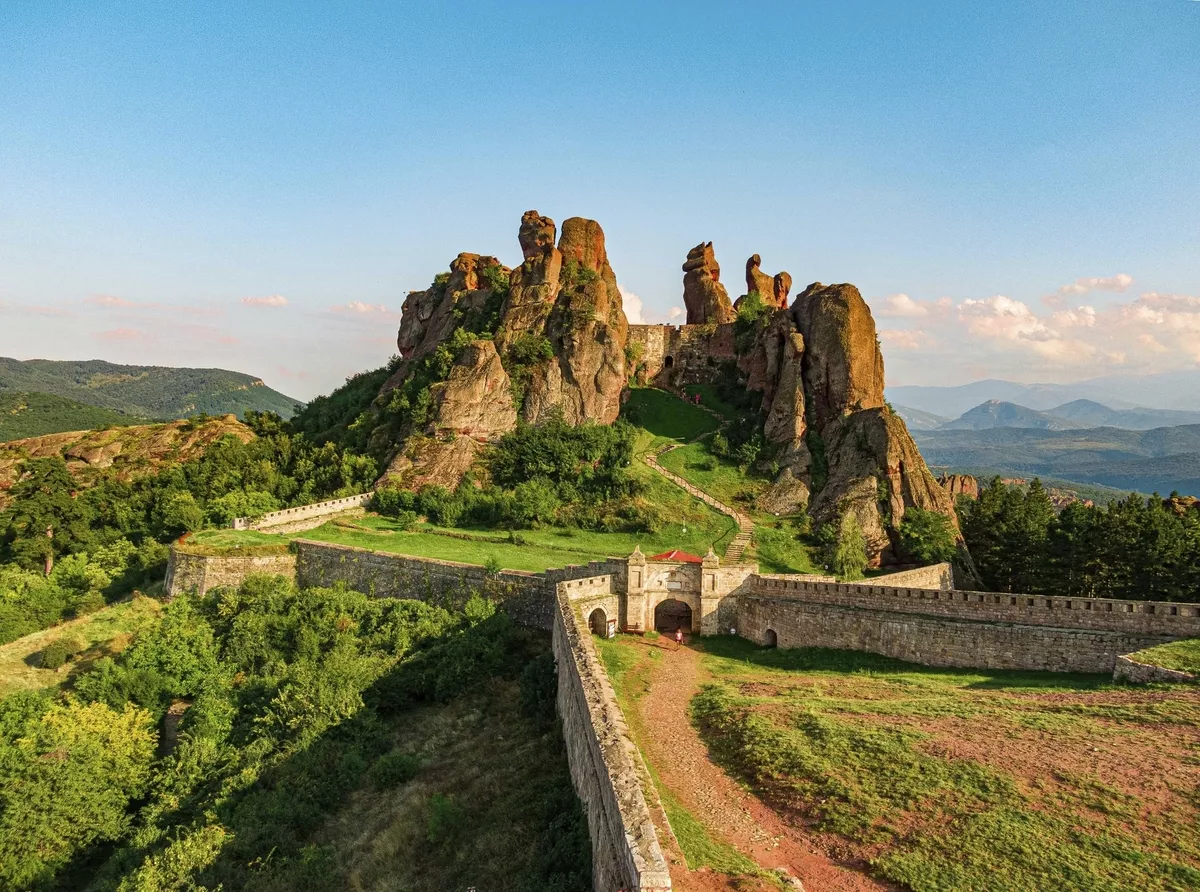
pixel 672 614
pixel 598 622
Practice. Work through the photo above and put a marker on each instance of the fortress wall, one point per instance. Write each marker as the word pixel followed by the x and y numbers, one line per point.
pixel 933 640
pixel 695 352
pixel 939 576
pixel 304 517
pixel 602 758
pixel 524 596
pixel 199 573
pixel 1154 619
pixel 1130 670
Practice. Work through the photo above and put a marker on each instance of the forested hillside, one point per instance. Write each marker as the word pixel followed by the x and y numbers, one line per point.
pixel 145 391
pixel 35 414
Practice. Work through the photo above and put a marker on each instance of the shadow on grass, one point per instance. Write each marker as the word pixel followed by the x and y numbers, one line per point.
pixel 824 659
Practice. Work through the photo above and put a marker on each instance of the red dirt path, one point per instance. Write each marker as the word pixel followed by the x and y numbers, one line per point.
pixel 726 810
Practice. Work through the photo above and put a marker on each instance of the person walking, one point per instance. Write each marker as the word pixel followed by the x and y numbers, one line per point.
pixel 679 636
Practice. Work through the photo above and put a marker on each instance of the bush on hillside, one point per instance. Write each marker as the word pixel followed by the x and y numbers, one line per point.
pixel 60 650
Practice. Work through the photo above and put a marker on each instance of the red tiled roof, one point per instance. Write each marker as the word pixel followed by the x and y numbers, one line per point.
pixel 676 555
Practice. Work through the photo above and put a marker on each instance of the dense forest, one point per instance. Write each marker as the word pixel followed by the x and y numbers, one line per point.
pixel 1142 549
pixel 36 414
pixel 291 702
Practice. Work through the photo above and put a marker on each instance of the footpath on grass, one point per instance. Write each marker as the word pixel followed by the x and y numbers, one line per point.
pixel 732 816
pixel 737 545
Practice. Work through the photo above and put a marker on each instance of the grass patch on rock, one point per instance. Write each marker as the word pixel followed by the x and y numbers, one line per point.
pixel 1182 656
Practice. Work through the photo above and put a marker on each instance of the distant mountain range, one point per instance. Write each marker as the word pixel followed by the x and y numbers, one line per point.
pixel 1161 460
pixel 1169 390
pixel 131 391
pixel 1075 415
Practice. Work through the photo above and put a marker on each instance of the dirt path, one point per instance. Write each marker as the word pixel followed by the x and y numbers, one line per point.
pixel 681 759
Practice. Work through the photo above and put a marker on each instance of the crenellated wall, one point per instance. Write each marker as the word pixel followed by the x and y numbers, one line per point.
pixel 946 627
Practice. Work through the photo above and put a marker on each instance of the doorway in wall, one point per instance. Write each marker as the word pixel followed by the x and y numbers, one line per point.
pixel 671 615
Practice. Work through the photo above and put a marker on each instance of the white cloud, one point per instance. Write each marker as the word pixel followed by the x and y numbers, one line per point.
pixel 108 300
pixel 674 313
pixel 903 306
pixel 902 339
pixel 1001 318
pixel 633 306
pixel 357 306
pixel 1120 282
pixel 274 300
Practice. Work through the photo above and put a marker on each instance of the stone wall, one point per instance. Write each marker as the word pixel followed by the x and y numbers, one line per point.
pixel 199 573
pixel 304 517
pixel 524 596
pixel 601 755
pixel 932 640
pixel 939 576
pixel 1131 671
pixel 672 356
pixel 1163 619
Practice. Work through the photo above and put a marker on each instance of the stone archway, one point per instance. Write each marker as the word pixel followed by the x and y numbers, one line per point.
pixel 671 614
pixel 669 362
pixel 598 622
pixel 770 639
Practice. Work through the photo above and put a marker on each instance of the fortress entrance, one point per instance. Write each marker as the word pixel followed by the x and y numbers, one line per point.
pixel 598 622
pixel 770 639
pixel 669 362
pixel 671 615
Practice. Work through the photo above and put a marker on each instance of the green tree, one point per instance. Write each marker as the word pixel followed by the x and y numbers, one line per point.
pixel 849 558
pixel 43 499
pixel 928 536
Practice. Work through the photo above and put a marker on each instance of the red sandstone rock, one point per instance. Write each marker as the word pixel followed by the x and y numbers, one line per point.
pixel 957 485
pixel 704 296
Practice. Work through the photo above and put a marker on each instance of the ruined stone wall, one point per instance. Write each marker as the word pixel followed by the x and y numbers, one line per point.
pixel 673 356
pixel 303 517
pixel 932 640
pixel 187 571
pixel 602 758
pixel 1131 671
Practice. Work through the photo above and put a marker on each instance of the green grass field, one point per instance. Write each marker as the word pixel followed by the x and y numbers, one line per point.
pixel 1182 656
pixel 666 417
pixel 953 779
pixel 103 631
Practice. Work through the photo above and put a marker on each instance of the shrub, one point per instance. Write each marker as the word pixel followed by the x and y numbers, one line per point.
pixel 447 818
pixel 58 651
pixel 393 769
pixel 390 501
pixel 530 349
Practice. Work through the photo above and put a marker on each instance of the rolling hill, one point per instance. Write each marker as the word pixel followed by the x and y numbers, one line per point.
pixel 145 391
pixel 36 414
pixel 1163 459
pixel 996 413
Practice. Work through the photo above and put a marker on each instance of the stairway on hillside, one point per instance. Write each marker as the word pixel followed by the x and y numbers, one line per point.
pixel 737 545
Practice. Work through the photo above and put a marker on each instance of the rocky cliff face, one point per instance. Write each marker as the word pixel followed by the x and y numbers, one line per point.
pixel 957 485
pixel 551 336
pixel 820 370
pixel 772 290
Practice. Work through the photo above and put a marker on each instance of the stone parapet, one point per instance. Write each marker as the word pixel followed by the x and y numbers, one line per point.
pixel 626 854
pixel 198 573
pixel 303 517
pixel 1130 670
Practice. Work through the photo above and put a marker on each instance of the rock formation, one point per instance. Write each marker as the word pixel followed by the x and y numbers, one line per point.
pixel 772 291
pixel 957 485
pixel 552 335
pixel 549 337
pixel 704 296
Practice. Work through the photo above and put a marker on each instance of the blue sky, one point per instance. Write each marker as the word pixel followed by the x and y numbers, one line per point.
pixel 1014 187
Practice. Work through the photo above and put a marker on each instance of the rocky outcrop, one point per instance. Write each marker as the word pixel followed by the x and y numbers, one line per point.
pixel 587 330
pixel 957 485
pixel 559 330
pixel 534 284
pixel 122 452
pixel 773 291
pixel 704 296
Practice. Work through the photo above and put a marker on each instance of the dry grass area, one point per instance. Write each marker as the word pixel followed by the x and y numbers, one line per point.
pixel 105 632
pixel 953 779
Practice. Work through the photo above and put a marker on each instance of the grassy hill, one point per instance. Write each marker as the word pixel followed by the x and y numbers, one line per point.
pixel 36 414
pixel 1163 460
pixel 146 391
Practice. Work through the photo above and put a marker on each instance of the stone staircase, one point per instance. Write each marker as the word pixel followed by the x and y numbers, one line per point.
pixel 737 546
